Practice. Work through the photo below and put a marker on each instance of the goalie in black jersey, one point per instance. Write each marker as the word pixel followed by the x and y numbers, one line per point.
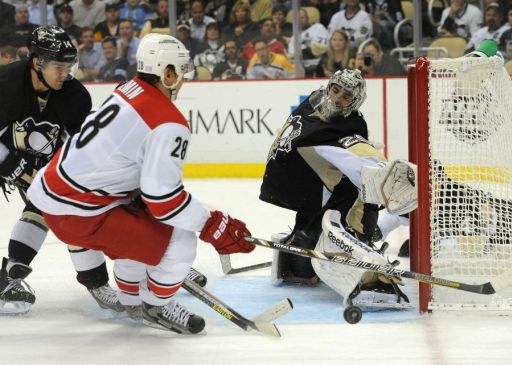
pixel 40 104
pixel 322 166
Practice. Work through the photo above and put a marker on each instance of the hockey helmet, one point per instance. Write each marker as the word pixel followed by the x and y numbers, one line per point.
pixel 157 51
pixel 52 44
pixel 351 81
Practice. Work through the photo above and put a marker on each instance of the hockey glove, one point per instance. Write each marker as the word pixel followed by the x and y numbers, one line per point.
pixel 226 234
pixel 20 168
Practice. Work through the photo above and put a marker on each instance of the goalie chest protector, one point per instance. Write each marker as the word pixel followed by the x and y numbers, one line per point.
pixel 289 182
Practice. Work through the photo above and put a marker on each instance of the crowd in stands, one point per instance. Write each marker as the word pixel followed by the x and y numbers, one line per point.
pixel 251 39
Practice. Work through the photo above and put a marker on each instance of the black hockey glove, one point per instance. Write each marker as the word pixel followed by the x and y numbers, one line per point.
pixel 20 168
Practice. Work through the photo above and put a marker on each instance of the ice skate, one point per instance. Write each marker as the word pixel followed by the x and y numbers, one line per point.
pixel 172 316
pixel 16 296
pixel 107 298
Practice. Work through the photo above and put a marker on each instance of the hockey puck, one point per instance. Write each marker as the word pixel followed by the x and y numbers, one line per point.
pixel 352 314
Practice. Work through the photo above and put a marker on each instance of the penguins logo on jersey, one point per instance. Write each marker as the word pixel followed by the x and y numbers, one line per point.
pixel 291 130
pixel 39 138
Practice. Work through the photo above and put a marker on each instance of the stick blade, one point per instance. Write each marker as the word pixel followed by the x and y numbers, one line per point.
pixel 502 281
pixel 228 269
pixel 263 322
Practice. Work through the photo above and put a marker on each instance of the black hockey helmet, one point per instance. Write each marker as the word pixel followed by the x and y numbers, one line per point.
pixel 52 44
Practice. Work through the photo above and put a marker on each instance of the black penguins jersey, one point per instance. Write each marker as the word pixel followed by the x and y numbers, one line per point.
pixel 37 123
pixel 293 179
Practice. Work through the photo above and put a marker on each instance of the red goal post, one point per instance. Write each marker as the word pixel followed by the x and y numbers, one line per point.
pixel 460 136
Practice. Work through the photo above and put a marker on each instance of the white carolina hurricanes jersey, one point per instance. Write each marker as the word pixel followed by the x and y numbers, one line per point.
pixel 137 140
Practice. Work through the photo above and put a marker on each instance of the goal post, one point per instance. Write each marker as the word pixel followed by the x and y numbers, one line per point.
pixel 460 136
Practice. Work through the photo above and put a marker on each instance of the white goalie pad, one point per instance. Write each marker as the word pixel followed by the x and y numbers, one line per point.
pixel 393 185
pixel 276 275
pixel 343 279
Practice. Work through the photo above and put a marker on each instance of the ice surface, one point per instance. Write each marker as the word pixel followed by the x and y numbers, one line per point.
pixel 65 326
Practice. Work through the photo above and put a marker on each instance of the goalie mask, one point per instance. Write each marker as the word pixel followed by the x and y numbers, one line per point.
pixel 158 51
pixel 345 93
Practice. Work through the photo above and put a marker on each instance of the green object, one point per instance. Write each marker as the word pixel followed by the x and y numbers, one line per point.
pixel 488 47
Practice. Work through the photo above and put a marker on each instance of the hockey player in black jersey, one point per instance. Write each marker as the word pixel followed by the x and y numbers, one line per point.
pixel 41 104
pixel 322 166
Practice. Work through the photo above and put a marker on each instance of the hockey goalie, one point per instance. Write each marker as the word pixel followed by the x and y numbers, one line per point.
pixel 323 167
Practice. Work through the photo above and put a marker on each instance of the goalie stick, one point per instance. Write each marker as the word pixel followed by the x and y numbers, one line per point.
pixel 262 323
pixel 225 261
pixel 502 281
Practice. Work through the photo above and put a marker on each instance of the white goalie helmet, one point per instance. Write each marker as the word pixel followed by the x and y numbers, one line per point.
pixel 353 82
pixel 157 51
pixel 350 81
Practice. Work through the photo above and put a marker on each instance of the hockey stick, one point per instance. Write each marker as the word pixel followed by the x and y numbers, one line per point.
pixel 262 323
pixel 491 287
pixel 225 261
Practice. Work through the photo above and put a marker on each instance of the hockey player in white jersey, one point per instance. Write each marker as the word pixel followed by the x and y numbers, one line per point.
pixel 138 141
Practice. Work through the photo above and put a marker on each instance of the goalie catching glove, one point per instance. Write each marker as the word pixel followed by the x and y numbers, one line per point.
pixel 226 234
pixel 393 185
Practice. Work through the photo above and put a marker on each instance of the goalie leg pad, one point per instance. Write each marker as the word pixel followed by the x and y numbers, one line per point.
pixel 393 185
pixel 378 292
pixel 290 268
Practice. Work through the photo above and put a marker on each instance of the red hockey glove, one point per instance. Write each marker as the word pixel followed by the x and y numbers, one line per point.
pixel 226 234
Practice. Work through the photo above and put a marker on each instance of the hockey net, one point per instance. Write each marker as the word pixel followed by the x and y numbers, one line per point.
pixel 460 135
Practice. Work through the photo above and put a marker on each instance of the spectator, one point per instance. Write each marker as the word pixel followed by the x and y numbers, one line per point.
pixel 34 14
pixel 260 9
pixel 16 35
pixel 313 42
pixel 6 14
pixel 241 28
pixel 235 66
pixel 183 34
pixel 339 55
pixel 90 56
pixel 65 21
pixel 211 51
pixel 115 68
pixel 460 19
pixel 161 23
pixel 127 43
pixel 283 28
pixel 353 20
pixel 506 38
pixel 198 20
pixel 385 14
pixel 493 28
pixel 88 13
pixel 7 55
pixel 137 11
pixel 110 26
pixel 275 43
pixel 268 65
pixel 373 62
pixel 216 9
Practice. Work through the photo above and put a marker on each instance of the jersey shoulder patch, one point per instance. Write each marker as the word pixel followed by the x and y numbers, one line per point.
pixel 140 94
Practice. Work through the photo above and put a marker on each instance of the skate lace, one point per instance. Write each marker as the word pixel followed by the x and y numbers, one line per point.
pixel 106 294
pixel 176 314
pixel 19 285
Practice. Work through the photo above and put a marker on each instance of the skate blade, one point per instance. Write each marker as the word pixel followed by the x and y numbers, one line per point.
pixel 164 328
pixel 14 308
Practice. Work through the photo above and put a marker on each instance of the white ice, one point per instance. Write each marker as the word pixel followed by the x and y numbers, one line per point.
pixel 65 326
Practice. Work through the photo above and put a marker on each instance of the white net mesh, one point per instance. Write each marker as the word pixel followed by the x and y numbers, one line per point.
pixel 470 144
